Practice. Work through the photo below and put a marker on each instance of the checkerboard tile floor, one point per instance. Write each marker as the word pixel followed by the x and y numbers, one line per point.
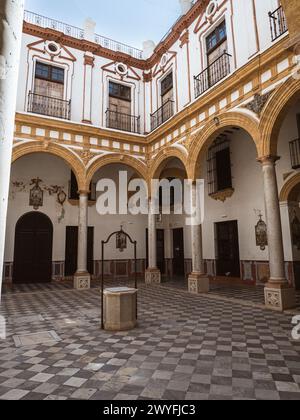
pixel 240 293
pixel 185 347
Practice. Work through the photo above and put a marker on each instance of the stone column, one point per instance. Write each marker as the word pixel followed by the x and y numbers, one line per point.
pixel 152 274
pixel 11 20
pixel 82 278
pixel 278 294
pixel 198 280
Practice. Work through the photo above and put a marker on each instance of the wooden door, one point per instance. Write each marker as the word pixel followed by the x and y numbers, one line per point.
pixel 228 255
pixel 33 249
pixel 178 252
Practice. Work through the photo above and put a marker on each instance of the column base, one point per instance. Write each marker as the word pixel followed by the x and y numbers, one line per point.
pixel 82 281
pixel 279 297
pixel 198 283
pixel 152 276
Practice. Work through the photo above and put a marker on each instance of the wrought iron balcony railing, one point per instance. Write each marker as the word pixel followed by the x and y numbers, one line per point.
pixel 278 23
pixel 123 122
pixel 52 107
pixel 162 115
pixel 295 153
pixel 78 33
pixel 215 72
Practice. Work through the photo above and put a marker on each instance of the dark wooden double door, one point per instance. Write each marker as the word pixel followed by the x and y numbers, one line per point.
pixel 33 249
pixel 72 250
pixel 228 254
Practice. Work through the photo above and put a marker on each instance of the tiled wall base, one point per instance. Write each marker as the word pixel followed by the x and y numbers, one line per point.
pixel 252 272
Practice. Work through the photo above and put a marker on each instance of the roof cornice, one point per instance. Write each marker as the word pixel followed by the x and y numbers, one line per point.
pixel 80 44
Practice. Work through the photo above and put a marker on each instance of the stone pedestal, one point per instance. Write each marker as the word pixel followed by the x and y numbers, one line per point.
pixel 279 298
pixel 120 309
pixel 198 283
pixel 82 281
pixel 278 295
pixel 152 276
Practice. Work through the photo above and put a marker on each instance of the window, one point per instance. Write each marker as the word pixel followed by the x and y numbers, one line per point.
pixel 167 84
pixel 119 91
pixel 49 82
pixel 219 172
pixel 50 73
pixel 217 37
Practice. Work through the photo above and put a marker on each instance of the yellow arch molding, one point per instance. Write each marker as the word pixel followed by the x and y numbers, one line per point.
pixel 288 187
pixel 202 140
pixel 109 159
pixel 56 150
pixel 162 157
pixel 274 114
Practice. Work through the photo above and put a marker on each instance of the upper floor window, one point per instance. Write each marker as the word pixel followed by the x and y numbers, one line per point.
pixel 50 73
pixel 49 81
pixel 47 95
pixel 218 61
pixel 118 114
pixel 216 38
pixel 166 87
pixel 118 91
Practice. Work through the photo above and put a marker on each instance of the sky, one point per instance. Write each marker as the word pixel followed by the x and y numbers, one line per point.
pixel 130 22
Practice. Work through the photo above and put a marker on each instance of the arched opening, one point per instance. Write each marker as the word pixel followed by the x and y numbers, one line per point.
pixel 173 236
pixel 226 159
pixel 41 181
pixel 290 203
pixel 285 142
pixel 33 249
pixel 112 211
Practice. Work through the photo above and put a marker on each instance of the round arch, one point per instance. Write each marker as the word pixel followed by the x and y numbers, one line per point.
pixel 274 114
pixel 53 149
pixel 164 156
pixel 201 141
pixel 109 159
pixel 289 186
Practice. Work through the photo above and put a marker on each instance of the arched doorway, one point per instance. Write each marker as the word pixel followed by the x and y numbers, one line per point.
pixel 33 249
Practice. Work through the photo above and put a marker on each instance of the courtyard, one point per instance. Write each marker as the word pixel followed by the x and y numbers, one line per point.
pixel 223 345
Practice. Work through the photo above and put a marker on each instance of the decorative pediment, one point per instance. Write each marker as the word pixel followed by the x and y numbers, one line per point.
pixel 51 50
pixel 162 66
pixel 121 69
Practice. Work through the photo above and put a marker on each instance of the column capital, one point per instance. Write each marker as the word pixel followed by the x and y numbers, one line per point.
pixel 84 193
pixel 89 60
pixel 268 159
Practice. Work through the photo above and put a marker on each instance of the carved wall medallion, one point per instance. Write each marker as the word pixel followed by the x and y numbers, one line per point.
pixel 121 241
pixel 36 196
pixel 86 156
pixel 258 103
